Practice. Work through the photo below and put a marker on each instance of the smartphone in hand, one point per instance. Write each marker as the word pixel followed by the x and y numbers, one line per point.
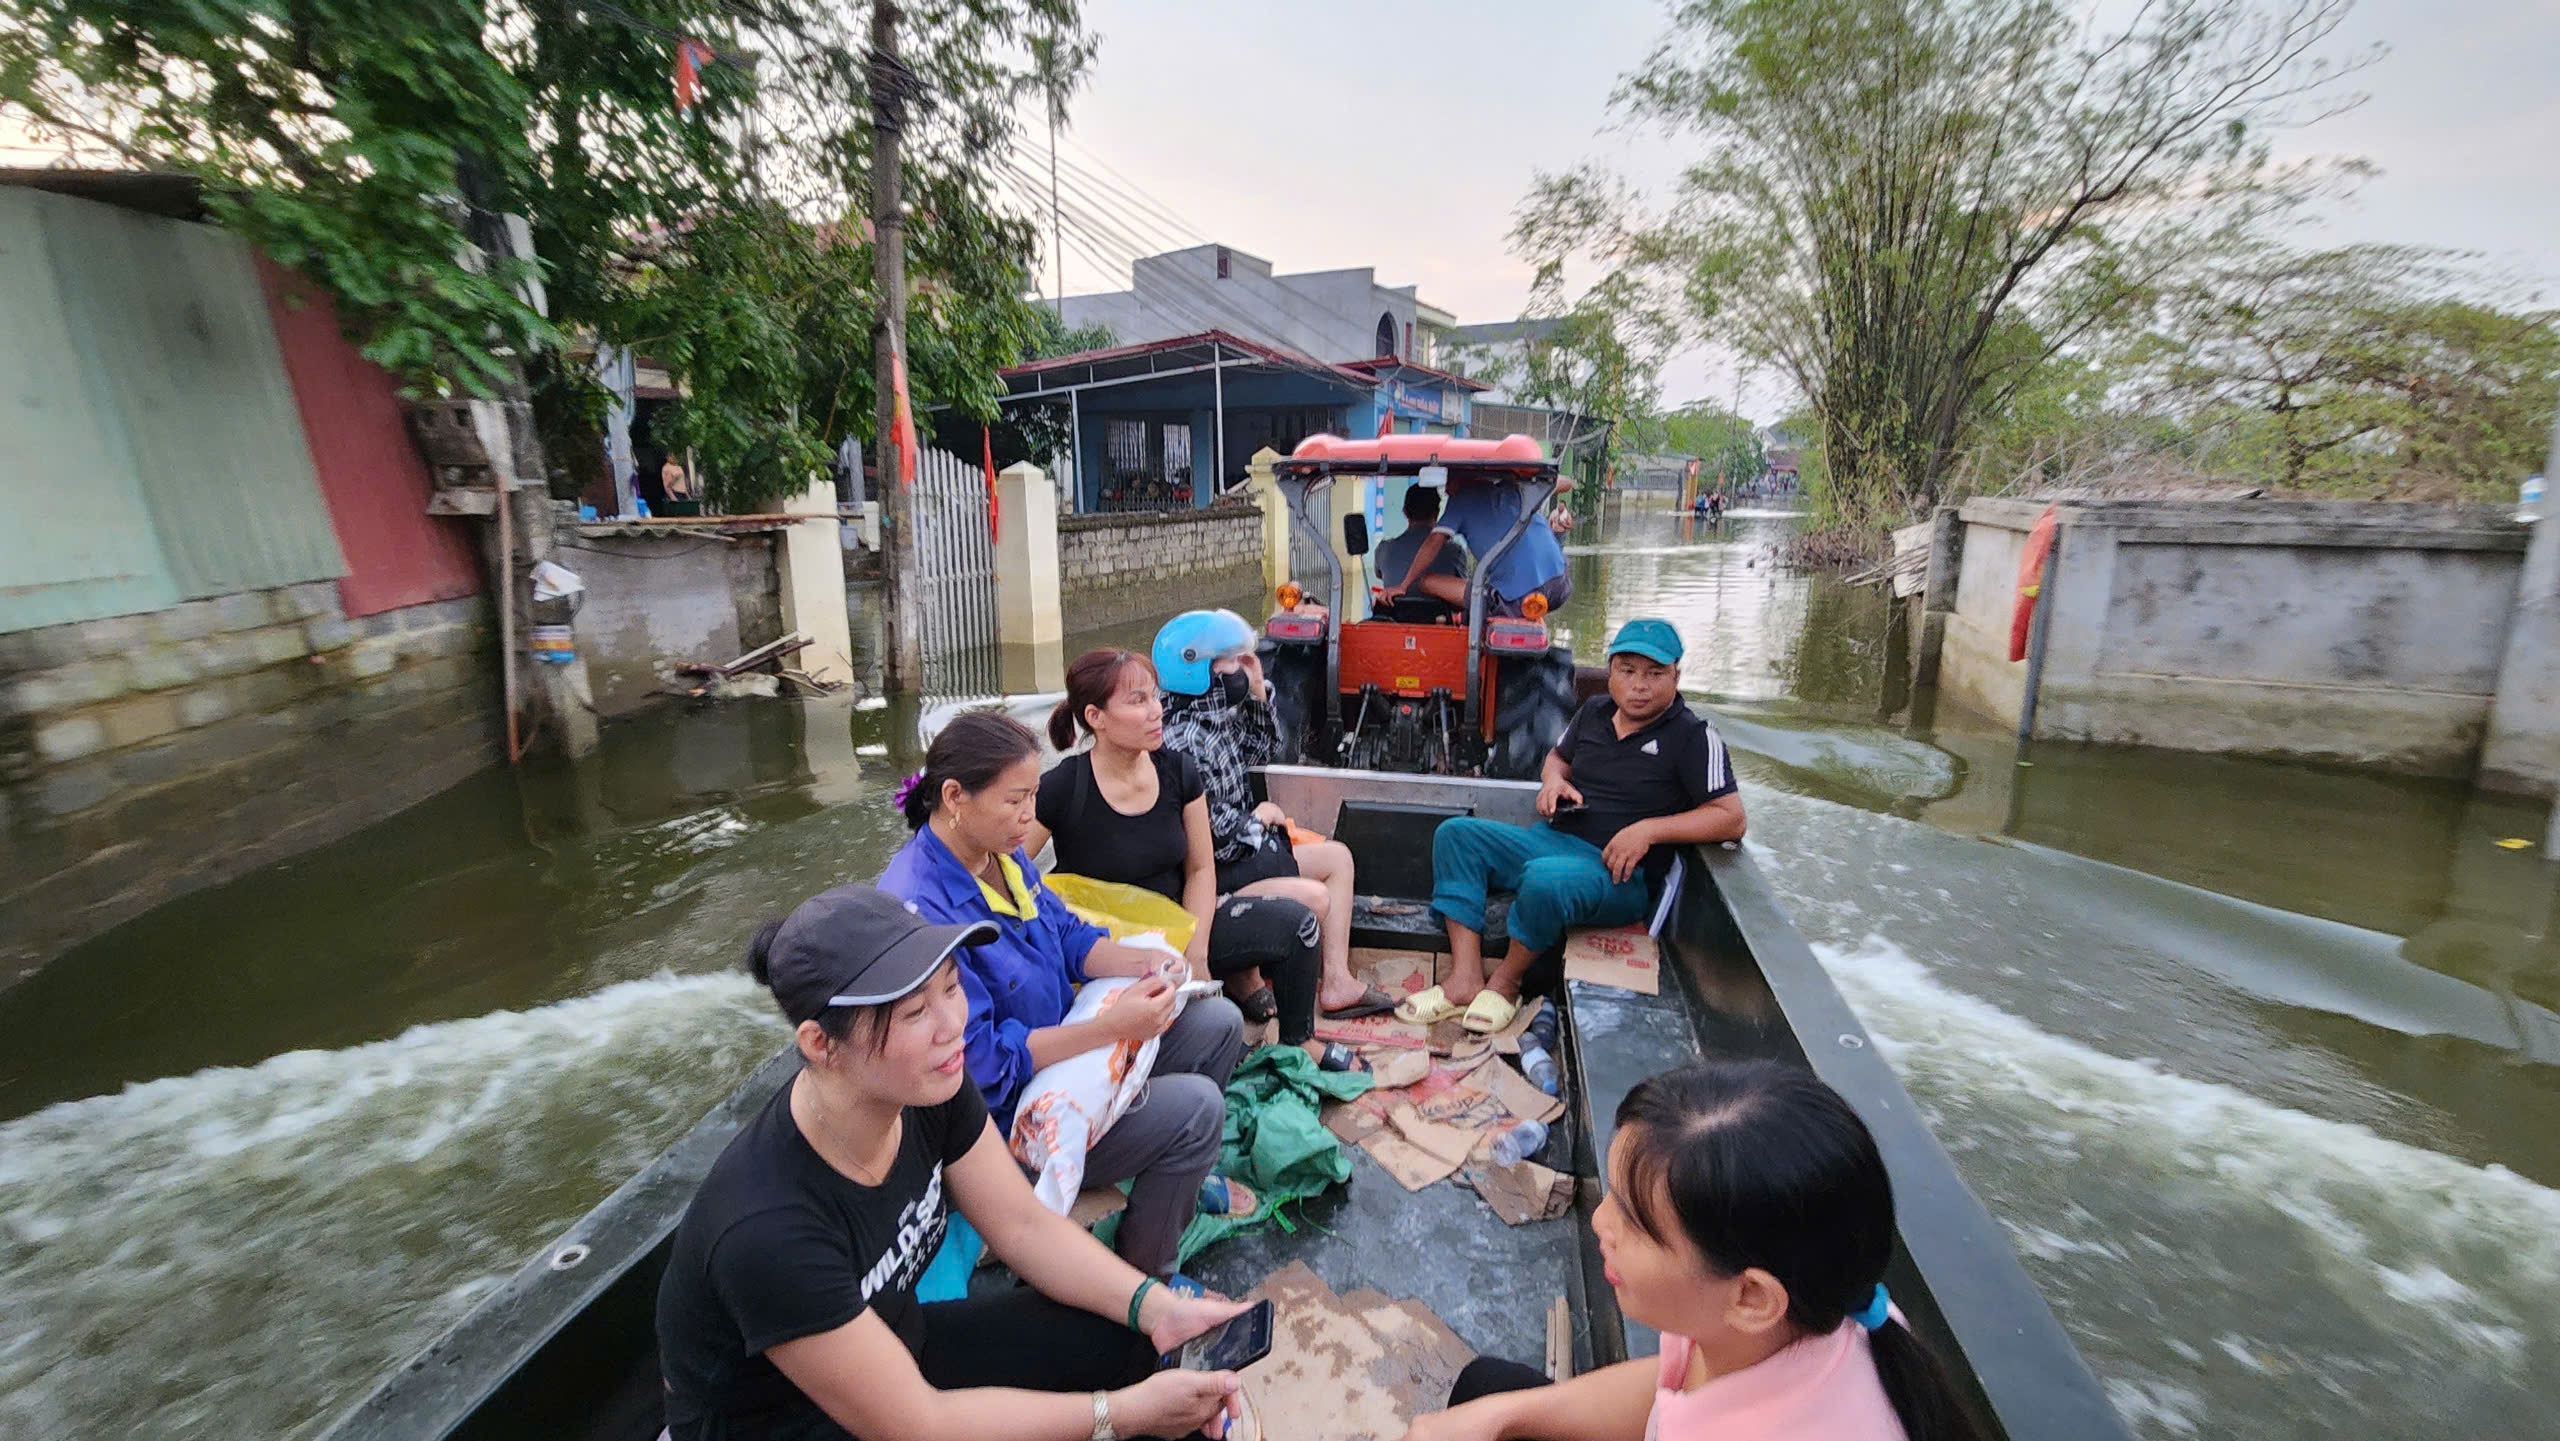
pixel 1232 1345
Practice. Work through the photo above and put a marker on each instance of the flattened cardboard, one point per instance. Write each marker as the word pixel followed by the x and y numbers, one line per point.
pixel 1523 1191
pixel 1352 1122
pixel 1466 1106
pixel 1374 1031
pixel 1399 973
pixel 1441 1141
pixel 1357 1367
pixel 1625 957
pixel 1517 1095
pixel 1393 1070
pixel 1412 1166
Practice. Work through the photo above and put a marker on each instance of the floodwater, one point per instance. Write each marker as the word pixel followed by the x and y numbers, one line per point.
pixel 2260 1065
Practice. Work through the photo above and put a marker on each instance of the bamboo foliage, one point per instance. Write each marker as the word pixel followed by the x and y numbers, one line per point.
pixel 1908 206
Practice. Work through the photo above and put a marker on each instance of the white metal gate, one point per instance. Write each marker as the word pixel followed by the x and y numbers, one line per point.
pixel 955 556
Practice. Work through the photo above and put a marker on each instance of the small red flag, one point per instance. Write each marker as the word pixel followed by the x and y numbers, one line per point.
pixel 987 444
pixel 691 56
pixel 1387 422
pixel 902 422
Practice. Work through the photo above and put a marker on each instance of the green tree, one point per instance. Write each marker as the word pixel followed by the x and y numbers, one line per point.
pixel 1907 206
pixel 1727 445
pixel 2357 368
pixel 371 144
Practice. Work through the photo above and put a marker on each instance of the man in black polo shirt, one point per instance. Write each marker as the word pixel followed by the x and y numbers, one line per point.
pixel 1636 774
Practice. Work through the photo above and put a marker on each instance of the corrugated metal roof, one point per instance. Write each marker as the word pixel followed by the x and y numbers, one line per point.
pixel 158 376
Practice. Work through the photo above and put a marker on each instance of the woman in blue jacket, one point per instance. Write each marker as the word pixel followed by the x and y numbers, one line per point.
pixel 972 808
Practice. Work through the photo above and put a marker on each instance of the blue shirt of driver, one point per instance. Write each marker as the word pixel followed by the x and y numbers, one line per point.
pixel 1481 515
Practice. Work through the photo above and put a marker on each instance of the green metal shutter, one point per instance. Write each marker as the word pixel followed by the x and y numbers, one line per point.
pixel 170 329
pixel 78 541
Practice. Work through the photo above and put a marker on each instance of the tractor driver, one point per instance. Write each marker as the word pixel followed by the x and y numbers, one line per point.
pixel 1481 515
pixel 1421 508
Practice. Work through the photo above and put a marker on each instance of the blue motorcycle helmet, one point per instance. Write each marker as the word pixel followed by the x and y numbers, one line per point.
pixel 1194 641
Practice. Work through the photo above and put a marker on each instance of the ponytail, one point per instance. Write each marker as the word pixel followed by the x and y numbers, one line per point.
pixel 1759 1164
pixel 1062 725
pixel 1924 1396
pixel 975 748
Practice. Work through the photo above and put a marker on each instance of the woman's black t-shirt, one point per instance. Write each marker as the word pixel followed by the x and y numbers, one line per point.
pixel 779 1245
pixel 1094 840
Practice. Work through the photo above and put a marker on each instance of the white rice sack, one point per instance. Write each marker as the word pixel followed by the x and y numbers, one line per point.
pixel 1068 1106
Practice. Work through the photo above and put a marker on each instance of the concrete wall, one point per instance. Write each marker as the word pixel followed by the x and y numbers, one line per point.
pixel 144 756
pixel 1113 569
pixel 657 597
pixel 1329 314
pixel 2352 633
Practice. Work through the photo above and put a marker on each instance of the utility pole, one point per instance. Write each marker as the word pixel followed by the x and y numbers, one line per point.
pixel 1057 220
pixel 891 85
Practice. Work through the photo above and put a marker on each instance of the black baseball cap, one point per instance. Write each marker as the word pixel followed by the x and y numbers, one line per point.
pixel 857 945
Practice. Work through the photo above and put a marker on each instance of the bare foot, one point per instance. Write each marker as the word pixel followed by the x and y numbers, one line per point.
pixel 1461 988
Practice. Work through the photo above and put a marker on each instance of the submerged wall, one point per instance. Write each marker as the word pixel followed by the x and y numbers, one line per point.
pixel 659 596
pixel 1115 568
pixel 2364 634
pixel 144 756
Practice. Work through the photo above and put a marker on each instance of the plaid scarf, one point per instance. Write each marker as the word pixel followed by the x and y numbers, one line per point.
pixel 1225 740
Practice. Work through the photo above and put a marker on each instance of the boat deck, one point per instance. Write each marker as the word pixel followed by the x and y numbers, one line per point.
pixel 566 1348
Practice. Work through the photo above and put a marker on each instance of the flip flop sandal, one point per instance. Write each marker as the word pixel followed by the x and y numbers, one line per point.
pixel 1491 1012
pixel 1372 1002
pixel 1339 1057
pixel 1261 1006
pixel 1427 1007
pixel 1220 1196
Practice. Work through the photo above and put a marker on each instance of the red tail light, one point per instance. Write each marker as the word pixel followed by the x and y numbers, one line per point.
pixel 1515 635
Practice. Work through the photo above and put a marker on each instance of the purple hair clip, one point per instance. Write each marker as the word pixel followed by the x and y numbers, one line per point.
pixel 906 788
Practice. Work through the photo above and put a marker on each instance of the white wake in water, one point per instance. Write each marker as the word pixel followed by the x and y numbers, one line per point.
pixel 2205 1245
pixel 239 1252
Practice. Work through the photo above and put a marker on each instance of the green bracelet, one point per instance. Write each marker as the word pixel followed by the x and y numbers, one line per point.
pixel 1134 1298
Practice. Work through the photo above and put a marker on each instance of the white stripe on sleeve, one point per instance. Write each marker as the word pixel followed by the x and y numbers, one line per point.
pixel 1719 769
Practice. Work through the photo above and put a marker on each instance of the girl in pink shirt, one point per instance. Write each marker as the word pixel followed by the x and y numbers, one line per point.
pixel 1748 1219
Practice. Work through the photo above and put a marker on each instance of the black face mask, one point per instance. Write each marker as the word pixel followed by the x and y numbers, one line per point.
pixel 1235 687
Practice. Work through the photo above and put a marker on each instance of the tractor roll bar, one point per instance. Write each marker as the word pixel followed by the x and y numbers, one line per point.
pixel 1532 511
pixel 1304 482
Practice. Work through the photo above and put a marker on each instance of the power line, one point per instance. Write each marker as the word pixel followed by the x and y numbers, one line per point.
pixel 1207 301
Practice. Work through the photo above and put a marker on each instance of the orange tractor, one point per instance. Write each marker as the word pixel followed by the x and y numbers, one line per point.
pixel 1422 686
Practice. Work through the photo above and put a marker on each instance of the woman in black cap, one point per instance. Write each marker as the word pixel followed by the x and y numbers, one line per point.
pixel 788 1308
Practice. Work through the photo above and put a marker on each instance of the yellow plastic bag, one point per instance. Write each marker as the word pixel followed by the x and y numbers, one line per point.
pixel 1123 909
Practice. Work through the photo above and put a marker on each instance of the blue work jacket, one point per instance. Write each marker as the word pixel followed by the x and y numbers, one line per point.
pixel 1022 981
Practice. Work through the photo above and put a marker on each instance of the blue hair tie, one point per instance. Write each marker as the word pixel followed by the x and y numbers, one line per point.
pixel 1879 1310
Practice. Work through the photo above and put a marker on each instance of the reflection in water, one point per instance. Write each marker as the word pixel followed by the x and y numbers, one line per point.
pixel 2254 1062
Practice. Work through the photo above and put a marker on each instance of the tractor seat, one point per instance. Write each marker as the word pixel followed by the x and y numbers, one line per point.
pixel 1419 610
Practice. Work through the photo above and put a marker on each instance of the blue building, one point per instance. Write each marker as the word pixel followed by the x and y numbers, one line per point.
pixel 1174 423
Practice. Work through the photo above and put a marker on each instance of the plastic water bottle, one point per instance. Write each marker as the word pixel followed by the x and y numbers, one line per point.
pixel 2529 505
pixel 1519 1143
pixel 1540 1068
pixel 1541 1032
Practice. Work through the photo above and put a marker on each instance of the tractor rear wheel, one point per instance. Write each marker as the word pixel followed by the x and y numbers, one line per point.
pixel 1296 676
pixel 1533 703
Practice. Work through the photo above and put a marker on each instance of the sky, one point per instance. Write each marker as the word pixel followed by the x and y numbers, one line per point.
pixel 1403 135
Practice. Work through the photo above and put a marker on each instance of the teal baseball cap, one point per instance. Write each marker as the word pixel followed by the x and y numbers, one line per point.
pixel 1645 636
